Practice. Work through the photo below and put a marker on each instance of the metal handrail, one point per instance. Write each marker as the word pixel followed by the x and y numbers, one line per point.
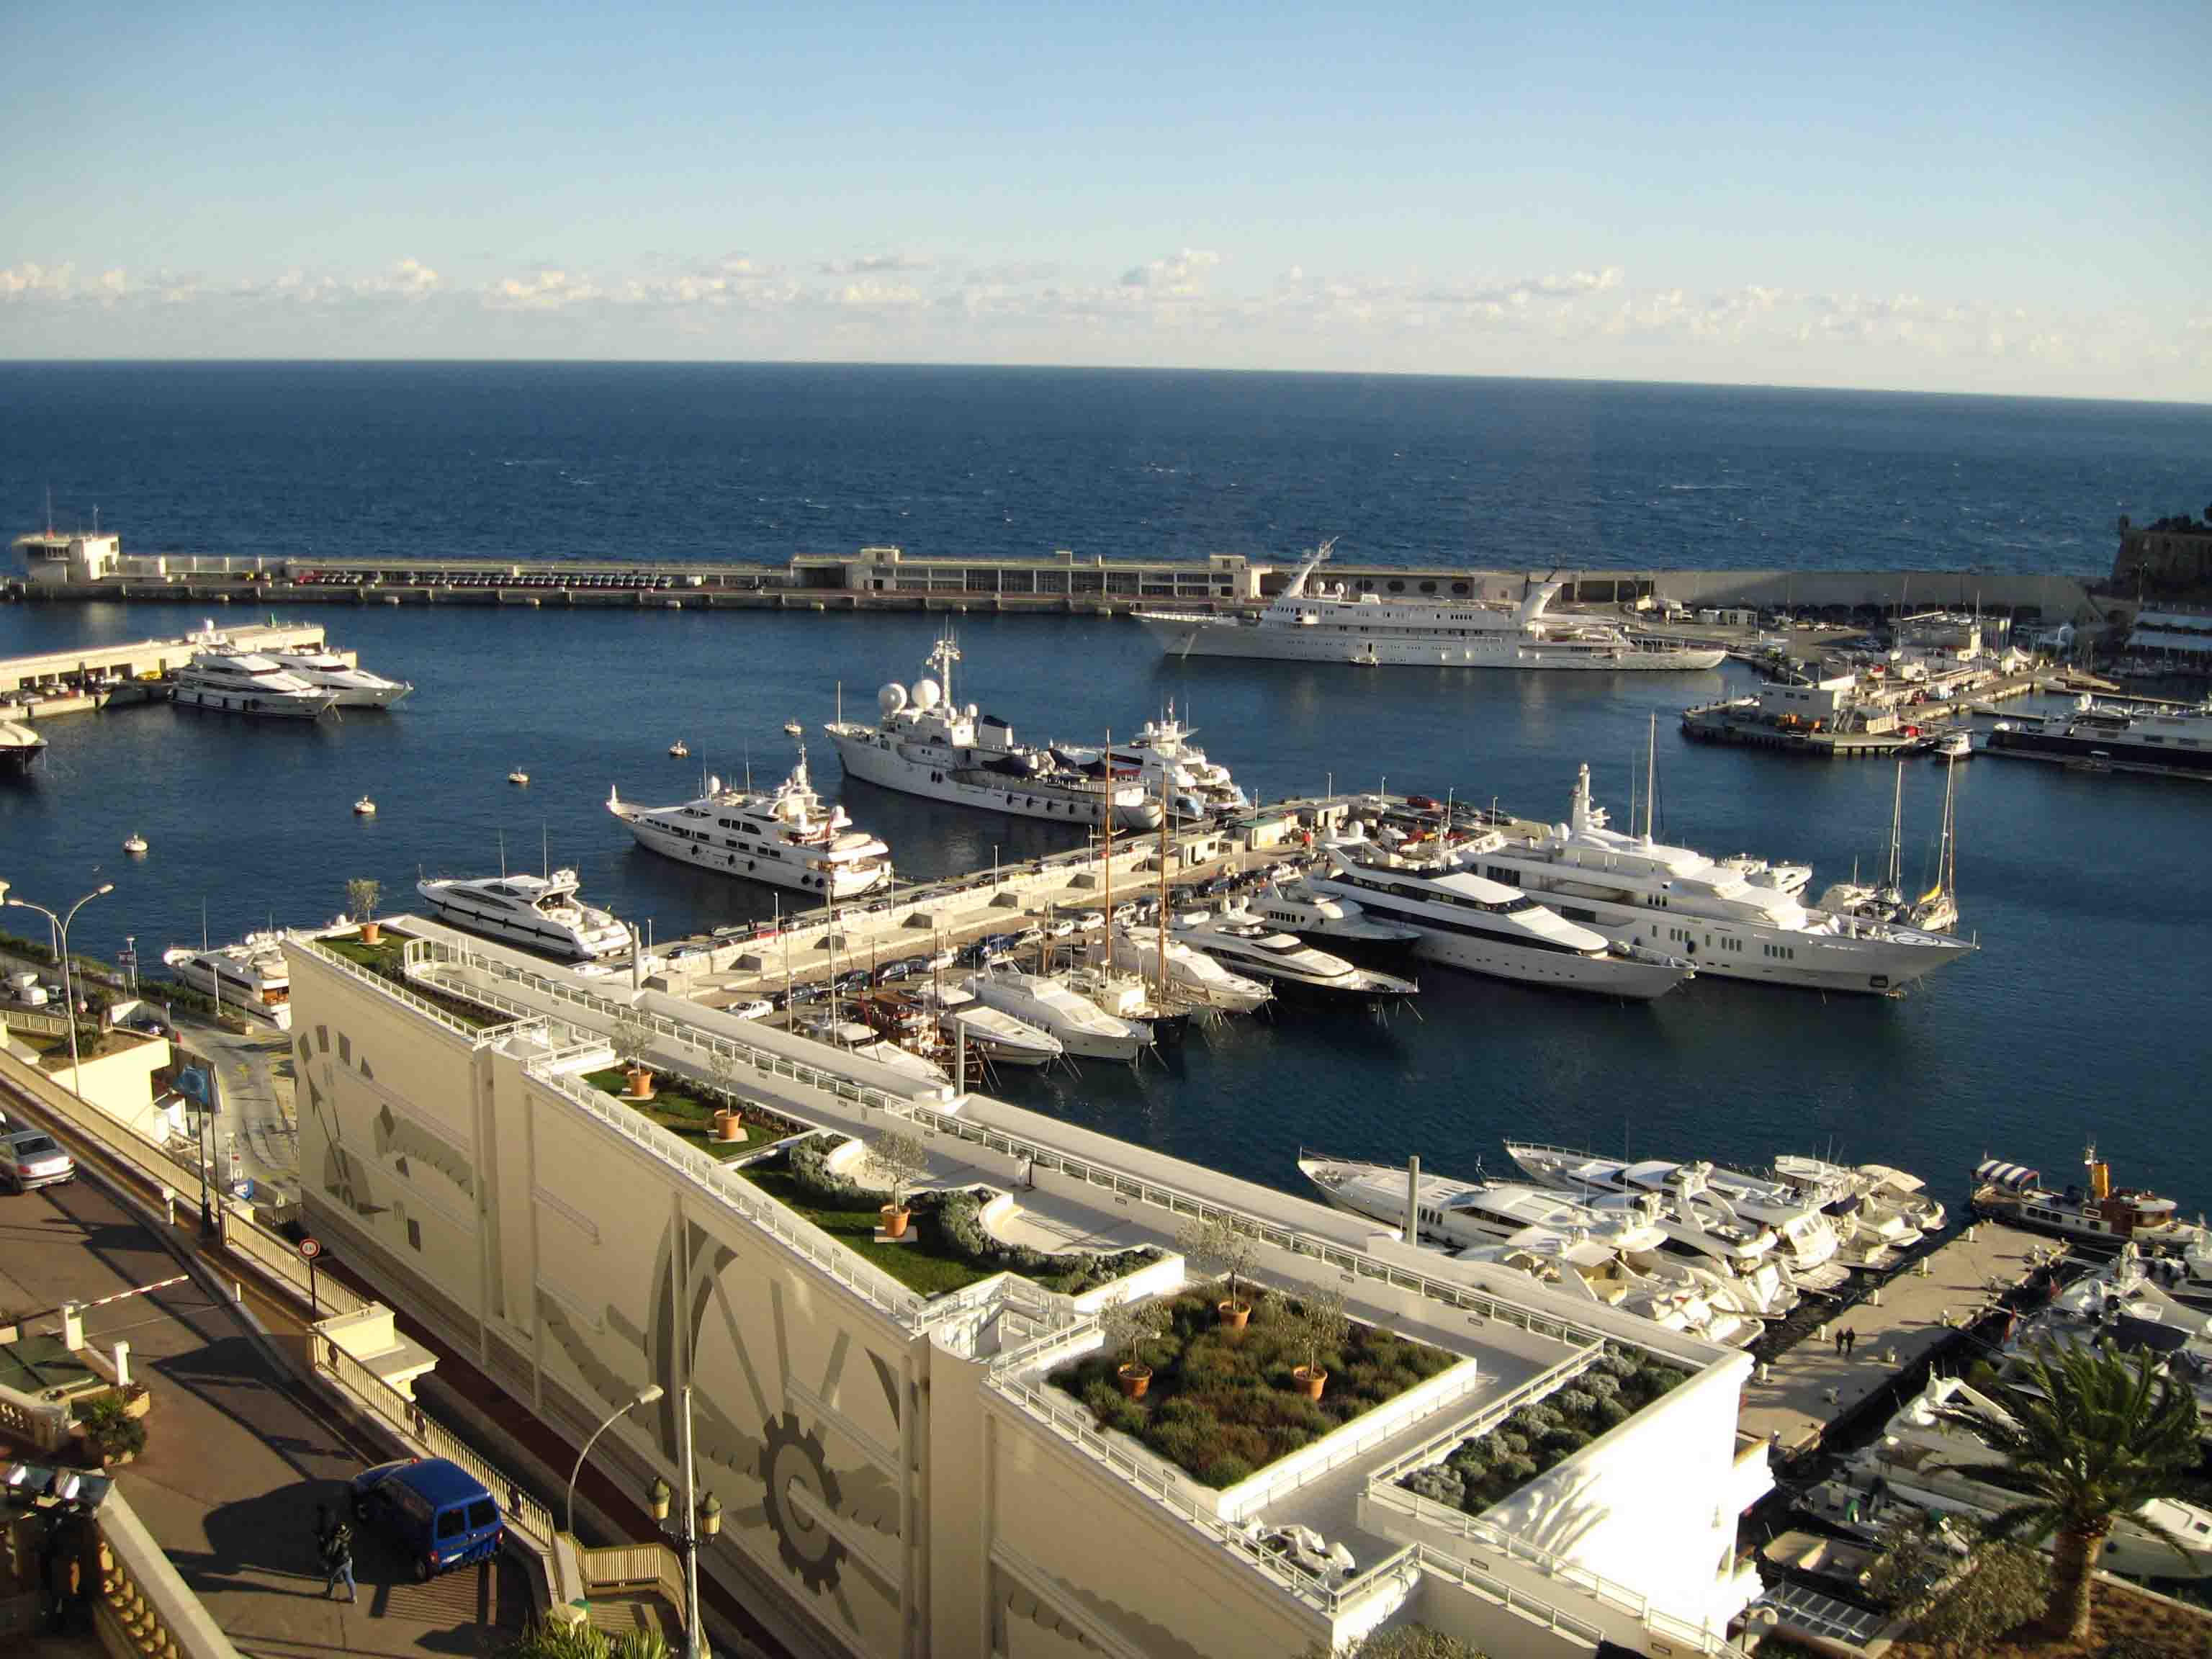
pixel 420 1005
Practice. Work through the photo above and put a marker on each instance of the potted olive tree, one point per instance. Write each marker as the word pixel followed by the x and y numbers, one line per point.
pixel 633 1040
pixel 729 1116
pixel 1219 1245
pixel 1315 1326
pixel 900 1159
pixel 1128 1326
pixel 362 895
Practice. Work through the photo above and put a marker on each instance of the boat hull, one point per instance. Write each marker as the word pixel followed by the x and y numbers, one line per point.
pixel 1216 636
pixel 259 707
pixel 870 763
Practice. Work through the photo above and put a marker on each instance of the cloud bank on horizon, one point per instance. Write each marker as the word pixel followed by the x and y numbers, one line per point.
pixel 1926 199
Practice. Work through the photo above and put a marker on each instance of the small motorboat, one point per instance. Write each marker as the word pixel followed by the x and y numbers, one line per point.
pixel 1956 746
pixel 518 775
pixel 678 750
pixel 364 808
pixel 135 845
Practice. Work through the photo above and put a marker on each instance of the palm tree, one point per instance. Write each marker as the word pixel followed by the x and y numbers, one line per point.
pixel 2089 1438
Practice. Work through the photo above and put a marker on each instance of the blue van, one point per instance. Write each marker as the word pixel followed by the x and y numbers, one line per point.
pixel 436 1510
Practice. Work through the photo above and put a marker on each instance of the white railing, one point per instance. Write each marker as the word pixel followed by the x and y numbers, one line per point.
pixel 145 1606
pixel 152 1164
pixel 422 1006
pixel 276 1258
pixel 1489 1416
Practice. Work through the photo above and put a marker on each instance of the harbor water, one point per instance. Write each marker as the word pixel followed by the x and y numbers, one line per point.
pixel 2080 1017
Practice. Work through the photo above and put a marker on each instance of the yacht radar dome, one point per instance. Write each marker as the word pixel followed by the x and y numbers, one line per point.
pixel 925 695
pixel 890 698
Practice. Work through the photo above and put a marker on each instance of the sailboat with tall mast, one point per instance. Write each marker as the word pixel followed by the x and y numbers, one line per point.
pixel 1936 910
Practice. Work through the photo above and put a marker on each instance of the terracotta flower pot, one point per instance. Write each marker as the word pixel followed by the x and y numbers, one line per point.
pixel 1234 1315
pixel 641 1083
pixel 1310 1381
pixel 728 1125
pixel 1134 1380
pixel 371 931
pixel 895 1220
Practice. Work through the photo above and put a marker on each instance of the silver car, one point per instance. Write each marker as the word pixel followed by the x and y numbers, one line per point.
pixel 30 1158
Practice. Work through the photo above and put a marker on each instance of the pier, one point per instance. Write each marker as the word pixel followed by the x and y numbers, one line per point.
pixel 61 681
pixel 1796 1398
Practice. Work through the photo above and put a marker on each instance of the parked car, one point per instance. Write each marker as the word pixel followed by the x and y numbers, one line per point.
pixel 1091 922
pixel 857 980
pixel 31 1158
pixel 905 967
pixel 945 958
pixel 1029 936
pixel 758 1008
pixel 437 1513
pixel 1059 928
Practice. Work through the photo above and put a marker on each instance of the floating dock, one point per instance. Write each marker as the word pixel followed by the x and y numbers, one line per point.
pixel 1796 1398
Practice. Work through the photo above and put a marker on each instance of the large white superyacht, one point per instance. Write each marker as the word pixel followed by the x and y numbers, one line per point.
pixel 926 744
pixel 247 682
pixel 786 837
pixel 356 687
pixel 539 913
pixel 1468 921
pixel 1738 918
pixel 1310 622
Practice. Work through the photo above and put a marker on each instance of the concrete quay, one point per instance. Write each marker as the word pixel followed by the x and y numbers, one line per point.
pixel 36 679
pixel 1796 1398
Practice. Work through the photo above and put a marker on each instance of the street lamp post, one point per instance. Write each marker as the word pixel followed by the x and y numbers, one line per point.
pixel 702 1519
pixel 644 1396
pixel 61 926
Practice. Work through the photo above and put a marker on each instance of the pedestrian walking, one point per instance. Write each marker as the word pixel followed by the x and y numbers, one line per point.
pixel 1837 1339
pixel 1850 1341
pixel 338 1564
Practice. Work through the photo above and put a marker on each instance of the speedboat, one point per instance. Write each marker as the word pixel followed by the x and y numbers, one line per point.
pixel 356 688
pixel 786 837
pixel 539 913
pixel 678 750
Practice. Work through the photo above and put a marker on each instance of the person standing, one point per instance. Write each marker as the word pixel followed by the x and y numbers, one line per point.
pixel 337 1563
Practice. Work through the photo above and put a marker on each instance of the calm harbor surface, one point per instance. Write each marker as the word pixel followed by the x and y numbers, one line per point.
pixel 2078 1019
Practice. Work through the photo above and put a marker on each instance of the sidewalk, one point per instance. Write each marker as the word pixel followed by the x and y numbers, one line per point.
pixel 238 1454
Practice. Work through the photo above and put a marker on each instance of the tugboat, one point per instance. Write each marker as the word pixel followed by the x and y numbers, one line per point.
pixel 2099 1217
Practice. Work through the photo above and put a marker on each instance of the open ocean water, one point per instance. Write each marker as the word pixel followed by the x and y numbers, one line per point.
pixel 2082 1016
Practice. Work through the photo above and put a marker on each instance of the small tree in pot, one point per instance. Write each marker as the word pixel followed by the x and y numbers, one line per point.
pixel 362 895
pixel 1218 1246
pixel 1317 1326
pixel 728 1069
pixel 1128 1326
pixel 110 1431
pixel 900 1159
pixel 632 1037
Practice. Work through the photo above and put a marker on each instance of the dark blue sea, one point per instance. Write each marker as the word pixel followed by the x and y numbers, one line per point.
pixel 2083 1015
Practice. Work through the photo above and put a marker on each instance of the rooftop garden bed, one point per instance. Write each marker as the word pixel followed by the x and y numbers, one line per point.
pixel 387 959
pixel 687 1112
pixel 1487 1468
pixel 947 1249
pixel 1222 1403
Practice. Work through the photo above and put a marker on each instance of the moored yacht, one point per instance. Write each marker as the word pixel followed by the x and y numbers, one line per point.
pixel 356 688
pixel 1340 922
pixel 1468 921
pixel 1878 1210
pixel 247 682
pixel 1737 919
pixel 539 912
pixel 250 977
pixel 19 746
pixel 1265 952
pixel 1806 1235
pixel 1202 977
pixel 786 837
pixel 2098 1218
pixel 924 744
pixel 993 1033
pixel 1171 767
pixel 1311 623
pixel 1084 1030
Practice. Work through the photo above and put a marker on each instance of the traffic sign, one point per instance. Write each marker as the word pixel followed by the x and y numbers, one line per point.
pixel 311 1247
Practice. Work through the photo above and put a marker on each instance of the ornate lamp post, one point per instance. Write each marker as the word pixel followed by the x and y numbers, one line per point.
pixel 702 1519
pixel 644 1396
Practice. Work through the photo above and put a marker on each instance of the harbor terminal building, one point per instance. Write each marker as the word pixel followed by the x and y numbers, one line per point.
pixel 901 1470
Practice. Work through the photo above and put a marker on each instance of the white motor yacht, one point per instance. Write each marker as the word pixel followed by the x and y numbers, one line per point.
pixel 1929 1454
pixel 1314 622
pixel 1738 918
pixel 1083 1029
pixel 786 838
pixel 247 682
pixel 1617 1256
pixel 924 744
pixel 1202 978
pixel 1172 767
pixel 1299 908
pixel 539 913
pixel 250 977
pixel 19 746
pixel 1468 921
pixel 1239 940
pixel 356 688
pixel 993 1033
pixel 862 1042
pixel 1806 1235
pixel 1875 1208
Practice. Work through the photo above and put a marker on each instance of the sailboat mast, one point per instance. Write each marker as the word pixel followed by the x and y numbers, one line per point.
pixel 1166 847
pixel 1650 773
pixel 1106 846
pixel 1896 833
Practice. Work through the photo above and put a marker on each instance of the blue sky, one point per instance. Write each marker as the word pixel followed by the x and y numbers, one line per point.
pixel 1939 196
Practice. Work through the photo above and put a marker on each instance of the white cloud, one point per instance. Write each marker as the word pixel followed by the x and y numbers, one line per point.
pixel 34 281
pixel 1181 275
pixel 873 264
pixel 549 290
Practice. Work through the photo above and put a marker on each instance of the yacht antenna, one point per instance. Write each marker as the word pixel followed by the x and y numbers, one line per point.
pixel 749 765
pixel 204 944
pixel 1651 773
pixel 545 851
pixel 502 855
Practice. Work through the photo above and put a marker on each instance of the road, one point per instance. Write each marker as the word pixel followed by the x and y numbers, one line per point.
pixel 238 1453
pixel 257 1133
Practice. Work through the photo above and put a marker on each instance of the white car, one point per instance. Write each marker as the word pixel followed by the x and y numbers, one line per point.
pixel 31 1157
pixel 1060 928
pixel 1091 920
pixel 758 1008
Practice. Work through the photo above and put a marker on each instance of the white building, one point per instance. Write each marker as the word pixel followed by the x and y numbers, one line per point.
pixel 54 559
pixel 895 1478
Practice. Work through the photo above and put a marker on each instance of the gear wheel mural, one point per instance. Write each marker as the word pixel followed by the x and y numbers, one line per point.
pixel 793 1457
